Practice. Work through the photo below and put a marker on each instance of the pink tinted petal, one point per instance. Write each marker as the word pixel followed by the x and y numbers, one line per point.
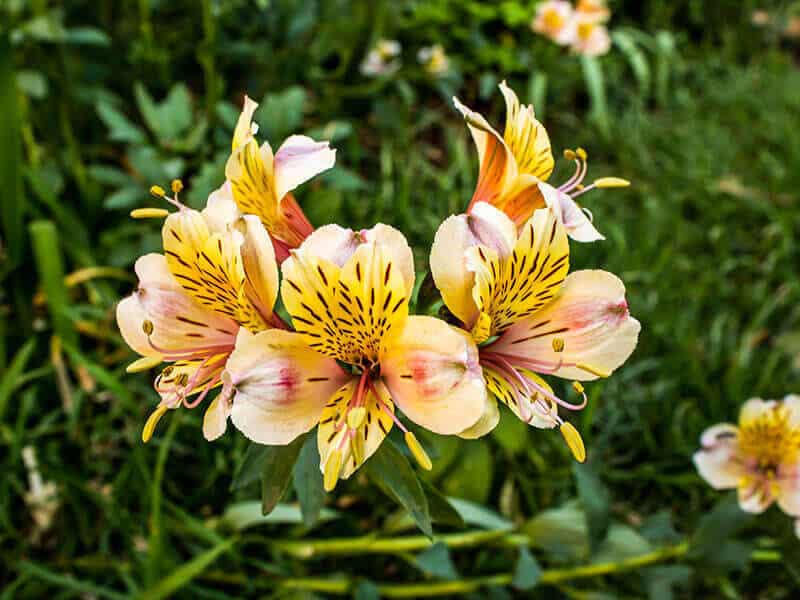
pixel 578 225
pixel 299 159
pixel 179 323
pixel 486 226
pixel 788 489
pixel 433 375
pixel 590 315
pixel 488 421
pixel 221 209
pixel 279 386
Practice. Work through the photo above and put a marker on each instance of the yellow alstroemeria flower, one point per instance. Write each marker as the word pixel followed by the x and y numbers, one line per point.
pixel 512 292
pixel 760 457
pixel 514 169
pixel 348 293
pixel 218 273
pixel 262 181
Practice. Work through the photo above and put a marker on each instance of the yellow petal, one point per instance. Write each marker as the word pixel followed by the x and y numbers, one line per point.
pixel 526 137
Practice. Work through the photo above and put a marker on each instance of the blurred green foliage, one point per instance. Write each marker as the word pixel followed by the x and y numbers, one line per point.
pixel 694 104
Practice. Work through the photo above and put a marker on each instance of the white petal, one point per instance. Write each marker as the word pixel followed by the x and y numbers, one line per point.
pixel 788 489
pixel 719 467
pixel 299 159
pixel 433 375
pixel 221 210
pixel 215 420
pixel 260 266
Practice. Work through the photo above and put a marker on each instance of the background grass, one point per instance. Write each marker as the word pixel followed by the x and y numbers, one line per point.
pixel 100 101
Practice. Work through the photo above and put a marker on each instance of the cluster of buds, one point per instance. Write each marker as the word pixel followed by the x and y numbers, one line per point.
pixel 580 27
pixel 351 361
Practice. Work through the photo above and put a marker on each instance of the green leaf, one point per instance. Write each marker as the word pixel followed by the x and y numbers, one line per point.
pixel 276 472
pixel 436 561
pixel 511 433
pixel 475 514
pixel 621 542
pixel 10 377
pixel 308 483
pixel 527 571
pixel 472 476
pixel 184 574
pixel 32 83
pixel 595 85
pixel 561 532
pixel 280 114
pixel 716 528
pixel 595 499
pixel 392 473
pixel 120 129
pixel 244 515
pixel 442 511
pixel 11 207
pixel 366 590
pixel 636 59
pixel 660 581
pixel 49 265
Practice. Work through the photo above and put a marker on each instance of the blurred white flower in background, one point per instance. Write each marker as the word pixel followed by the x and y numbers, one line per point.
pixel 434 59
pixel 382 59
pixel 41 497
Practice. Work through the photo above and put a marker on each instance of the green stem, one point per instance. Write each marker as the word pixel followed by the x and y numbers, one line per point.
pixel 373 545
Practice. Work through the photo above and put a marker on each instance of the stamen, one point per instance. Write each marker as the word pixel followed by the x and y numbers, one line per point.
pixel 611 182
pixel 149 213
pixel 558 344
pixel 418 451
pixel 333 467
pixel 147 327
pixel 177 186
pixel 356 417
pixel 574 441
pixel 157 191
pixel 212 382
pixel 152 421
pixel 594 371
pixel 144 364
pixel 385 408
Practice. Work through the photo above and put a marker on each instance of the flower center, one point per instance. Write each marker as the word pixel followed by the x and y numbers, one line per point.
pixel 771 439
pixel 553 20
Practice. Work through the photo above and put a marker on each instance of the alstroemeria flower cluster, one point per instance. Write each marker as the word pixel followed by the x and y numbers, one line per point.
pixel 351 361
pixel 759 457
pixel 581 27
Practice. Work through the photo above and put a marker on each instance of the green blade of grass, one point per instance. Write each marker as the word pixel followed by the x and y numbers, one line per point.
pixel 47 252
pixel 67 582
pixel 11 377
pixel 186 573
pixel 11 208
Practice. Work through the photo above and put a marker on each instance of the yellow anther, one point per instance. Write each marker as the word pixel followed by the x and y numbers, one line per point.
pixel 152 421
pixel 574 441
pixel 581 153
pixel 332 468
pixel 158 191
pixel 149 213
pixel 144 364
pixel 611 182
pixel 418 451
pixel 558 344
pixel 182 379
pixel 594 371
pixel 357 448
pixel 569 154
pixel 578 387
pixel 176 185
pixel 356 416
pixel 147 327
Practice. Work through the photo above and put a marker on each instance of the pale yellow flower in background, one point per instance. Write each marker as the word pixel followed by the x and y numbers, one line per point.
pixel 347 293
pixel 552 18
pixel 218 273
pixel 587 36
pixel 760 457
pixel 262 182
pixel 434 59
pixel 512 292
